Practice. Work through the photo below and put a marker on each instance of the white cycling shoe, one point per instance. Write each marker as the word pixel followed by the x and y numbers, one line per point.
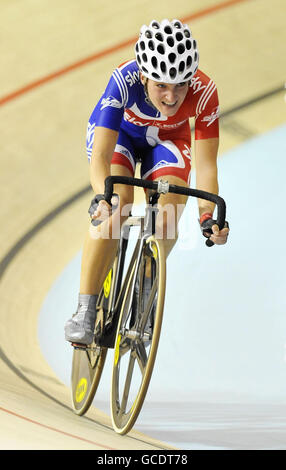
pixel 80 328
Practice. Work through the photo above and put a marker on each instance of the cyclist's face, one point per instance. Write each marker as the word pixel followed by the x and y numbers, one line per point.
pixel 166 97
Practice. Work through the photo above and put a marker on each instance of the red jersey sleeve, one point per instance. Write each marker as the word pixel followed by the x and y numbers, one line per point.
pixel 207 113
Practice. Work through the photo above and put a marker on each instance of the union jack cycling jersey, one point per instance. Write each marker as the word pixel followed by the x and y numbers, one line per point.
pixel 162 143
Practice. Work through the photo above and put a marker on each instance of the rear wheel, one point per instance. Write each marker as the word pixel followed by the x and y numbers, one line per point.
pixel 138 336
pixel 88 362
pixel 87 368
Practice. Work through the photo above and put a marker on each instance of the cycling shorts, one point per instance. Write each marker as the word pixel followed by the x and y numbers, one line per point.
pixel 159 155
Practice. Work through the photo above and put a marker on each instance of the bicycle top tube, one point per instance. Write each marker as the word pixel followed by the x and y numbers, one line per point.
pixel 163 188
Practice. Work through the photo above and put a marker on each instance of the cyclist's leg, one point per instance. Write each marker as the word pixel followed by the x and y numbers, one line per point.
pixel 100 247
pixel 101 241
pixel 171 207
pixel 169 160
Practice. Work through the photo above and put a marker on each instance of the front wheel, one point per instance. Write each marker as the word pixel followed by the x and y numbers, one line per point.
pixel 138 336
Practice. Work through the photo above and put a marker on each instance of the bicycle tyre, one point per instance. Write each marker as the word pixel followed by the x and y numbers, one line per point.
pixel 123 420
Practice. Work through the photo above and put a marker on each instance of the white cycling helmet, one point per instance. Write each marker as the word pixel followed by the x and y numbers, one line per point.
pixel 167 52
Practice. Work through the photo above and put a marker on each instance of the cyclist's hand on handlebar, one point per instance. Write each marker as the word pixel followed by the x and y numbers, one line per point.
pixel 219 237
pixel 211 230
pixel 100 209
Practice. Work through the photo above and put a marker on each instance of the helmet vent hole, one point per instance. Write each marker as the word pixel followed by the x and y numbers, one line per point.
pixel 181 49
pixel 163 67
pixel 177 25
pixel 144 57
pixel 155 25
pixel 168 30
pixel 144 69
pixel 148 34
pixel 138 59
pixel 172 58
pixel 154 62
pixel 179 36
pixel 189 61
pixel 159 37
pixel 155 75
pixel 182 67
pixel 196 57
pixel 195 44
pixel 161 49
pixel 170 41
pixel 173 72
pixel 188 44
pixel 189 74
pixel 151 45
pixel 142 45
pixel 187 33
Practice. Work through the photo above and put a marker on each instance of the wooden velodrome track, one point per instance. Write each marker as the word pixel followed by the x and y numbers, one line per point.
pixel 56 58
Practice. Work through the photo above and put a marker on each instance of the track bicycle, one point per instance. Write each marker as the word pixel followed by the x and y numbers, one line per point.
pixel 127 321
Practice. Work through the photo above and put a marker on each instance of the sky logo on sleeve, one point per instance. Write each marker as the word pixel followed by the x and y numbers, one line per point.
pixel 110 101
pixel 212 117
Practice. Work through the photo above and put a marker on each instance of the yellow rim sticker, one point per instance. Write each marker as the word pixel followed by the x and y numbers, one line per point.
pixel 81 390
pixel 116 353
pixel 107 284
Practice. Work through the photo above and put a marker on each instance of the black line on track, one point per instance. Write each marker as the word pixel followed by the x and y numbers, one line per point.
pixel 12 253
pixel 39 225
pixel 19 374
pixel 253 101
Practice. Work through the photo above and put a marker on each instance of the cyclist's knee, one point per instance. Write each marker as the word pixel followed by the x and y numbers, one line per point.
pixel 167 223
pixel 167 234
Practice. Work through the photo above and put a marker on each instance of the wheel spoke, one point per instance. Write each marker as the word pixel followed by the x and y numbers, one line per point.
pixel 127 383
pixel 150 303
pixel 141 356
pixel 127 313
pixel 124 347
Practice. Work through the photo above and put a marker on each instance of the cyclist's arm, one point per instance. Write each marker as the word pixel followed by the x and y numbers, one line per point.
pixel 206 170
pixel 207 141
pixel 103 148
pixel 206 176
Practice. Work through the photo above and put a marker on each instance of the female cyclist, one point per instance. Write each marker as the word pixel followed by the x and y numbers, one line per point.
pixel 144 114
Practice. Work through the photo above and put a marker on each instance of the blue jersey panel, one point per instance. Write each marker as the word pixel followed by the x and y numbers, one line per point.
pixel 124 90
